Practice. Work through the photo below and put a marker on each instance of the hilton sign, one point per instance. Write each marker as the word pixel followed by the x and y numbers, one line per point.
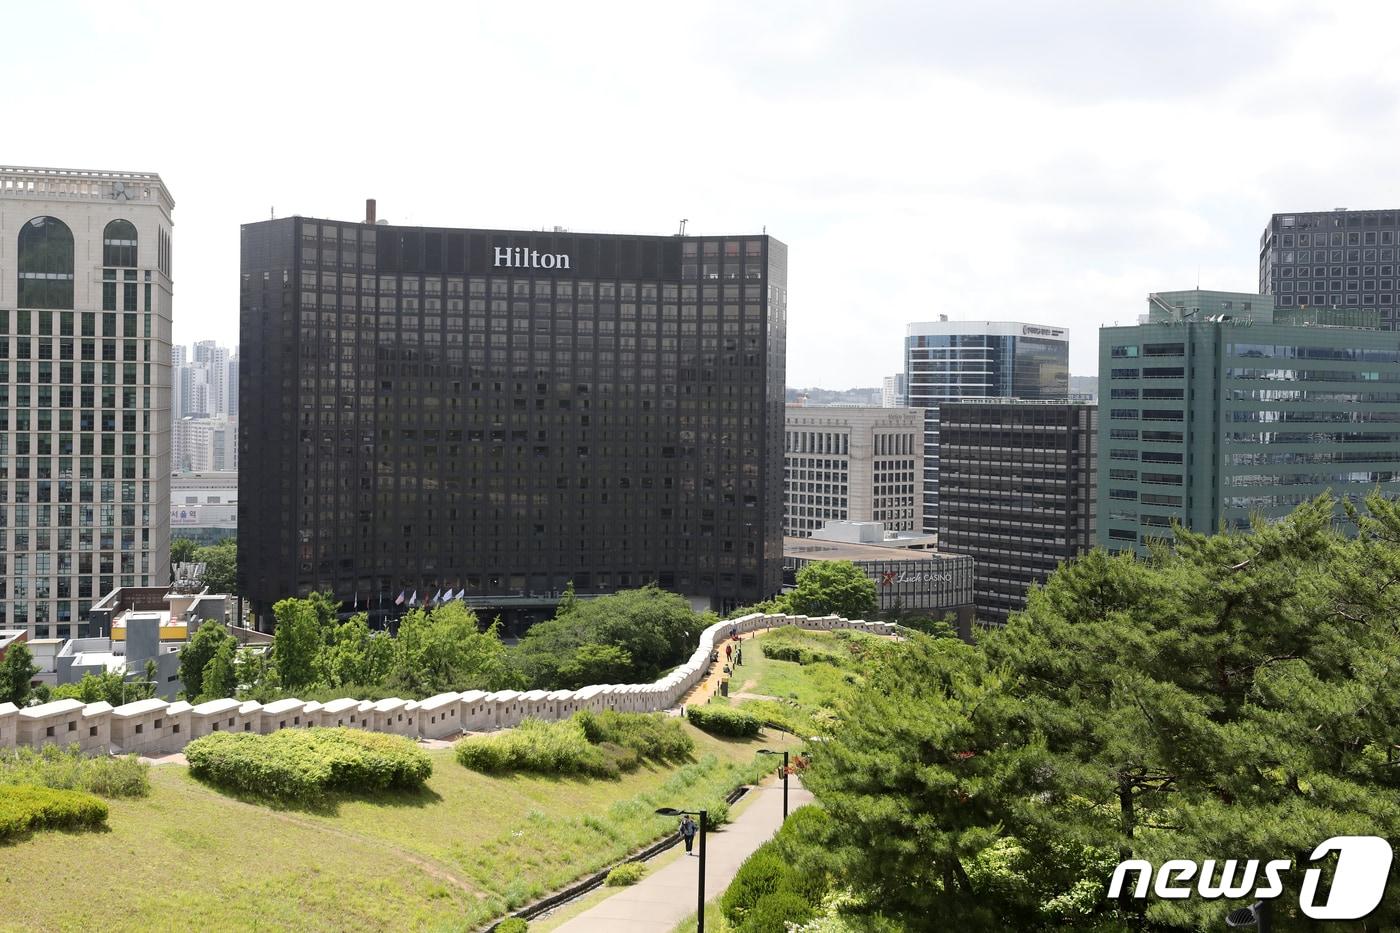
pixel 520 258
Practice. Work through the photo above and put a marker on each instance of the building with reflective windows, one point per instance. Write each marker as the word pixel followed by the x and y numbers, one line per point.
pixel 499 413
pixel 1017 493
pixel 84 392
pixel 1333 259
pixel 1221 407
pixel 946 360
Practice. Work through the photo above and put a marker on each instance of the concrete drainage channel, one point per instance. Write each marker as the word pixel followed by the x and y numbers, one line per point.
pixel 552 902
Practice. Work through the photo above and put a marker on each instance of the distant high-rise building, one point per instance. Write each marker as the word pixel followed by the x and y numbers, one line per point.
pixel 214 360
pixel 948 360
pixel 522 410
pixel 232 382
pixel 1016 491
pixel 852 464
pixel 85 297
pixel 1333 259
pixel 1222 407
pixel 893 391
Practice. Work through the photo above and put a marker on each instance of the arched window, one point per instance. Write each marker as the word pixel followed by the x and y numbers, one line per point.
pixel 119 244
pixel 45 264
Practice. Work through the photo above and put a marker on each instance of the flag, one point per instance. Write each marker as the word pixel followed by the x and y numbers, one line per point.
pixel 357 600
pixel 413 599
pixel 399 601
pixel 437 597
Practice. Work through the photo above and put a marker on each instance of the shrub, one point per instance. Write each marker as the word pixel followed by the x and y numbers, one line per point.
pixel 302 763
pixel 512 925
pixel 773 887
pixel 761 874
pixel 541 747
pixel 625 874
pixel 776 912
pixel 723 720
pixel 24 809
pixel 595 744
pixel 717 814
pixel 70 769
pixel 801 654
pixel 653 736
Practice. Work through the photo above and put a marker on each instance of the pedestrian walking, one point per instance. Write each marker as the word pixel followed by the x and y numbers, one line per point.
pixel 688 831
pixel 728 652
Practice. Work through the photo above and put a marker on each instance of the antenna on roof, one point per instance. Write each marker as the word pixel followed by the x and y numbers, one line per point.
pixel 681 231
pixel 272 213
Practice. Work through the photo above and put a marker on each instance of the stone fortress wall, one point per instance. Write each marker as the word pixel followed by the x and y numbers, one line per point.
pixel 155 727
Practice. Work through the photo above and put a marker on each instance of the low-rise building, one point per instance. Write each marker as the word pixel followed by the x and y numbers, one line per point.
pixel 909 580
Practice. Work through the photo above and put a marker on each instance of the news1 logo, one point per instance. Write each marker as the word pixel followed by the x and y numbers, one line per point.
pixel 1363 866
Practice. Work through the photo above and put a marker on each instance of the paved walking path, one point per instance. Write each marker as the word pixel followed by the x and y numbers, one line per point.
pixel 663 899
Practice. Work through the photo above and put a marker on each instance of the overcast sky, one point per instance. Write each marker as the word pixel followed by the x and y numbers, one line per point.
pixel 1047 162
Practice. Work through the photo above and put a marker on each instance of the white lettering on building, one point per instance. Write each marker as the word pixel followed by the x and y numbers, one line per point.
pixel 518 257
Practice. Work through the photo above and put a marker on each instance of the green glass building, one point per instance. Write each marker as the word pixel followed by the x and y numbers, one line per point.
pixel 1218 407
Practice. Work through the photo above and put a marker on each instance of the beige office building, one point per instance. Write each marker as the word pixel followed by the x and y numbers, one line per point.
pixel 852 464
pixel 85 297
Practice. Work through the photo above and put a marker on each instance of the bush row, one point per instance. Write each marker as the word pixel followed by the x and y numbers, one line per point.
pixel 773 887
pixel 25 809
pixel 801 654
pixel 723 720
pixel 70 769
pixel 301 763
pixel 593 744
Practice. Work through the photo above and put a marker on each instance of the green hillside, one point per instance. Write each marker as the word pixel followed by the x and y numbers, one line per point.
pixel 465 850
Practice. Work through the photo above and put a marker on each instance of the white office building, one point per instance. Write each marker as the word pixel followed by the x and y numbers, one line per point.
pixel 85 303
pixel 851 464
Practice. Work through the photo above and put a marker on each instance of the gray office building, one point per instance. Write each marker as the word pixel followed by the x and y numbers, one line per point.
pixel 1333 259
pixel 949 360
pixel 1221 407
pixel 1017 493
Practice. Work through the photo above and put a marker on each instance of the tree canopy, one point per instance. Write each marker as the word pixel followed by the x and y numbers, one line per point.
pixel 17 669
pixel 631 635
pixel 196 654
pixel 833 586
pixel 1229 696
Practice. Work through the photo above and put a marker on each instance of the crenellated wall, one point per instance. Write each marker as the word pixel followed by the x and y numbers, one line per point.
pixel 155 727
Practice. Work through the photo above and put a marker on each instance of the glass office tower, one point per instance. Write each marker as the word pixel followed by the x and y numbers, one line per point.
pixel 947 360
pixel 1333 259
pixel 1221 407
pixel 499 413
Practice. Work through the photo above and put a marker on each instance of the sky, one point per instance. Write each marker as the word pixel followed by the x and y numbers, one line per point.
pixel 1043 162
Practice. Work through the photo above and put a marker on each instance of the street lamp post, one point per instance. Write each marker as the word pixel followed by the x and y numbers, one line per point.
pixel 704 827
pixel 768 751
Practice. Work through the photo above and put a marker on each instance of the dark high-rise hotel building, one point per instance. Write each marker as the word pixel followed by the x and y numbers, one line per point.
pixel 1333 259
pixel 425 409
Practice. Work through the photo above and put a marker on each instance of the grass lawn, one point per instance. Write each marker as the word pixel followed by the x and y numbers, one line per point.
pixel 801 694
pixel 465 849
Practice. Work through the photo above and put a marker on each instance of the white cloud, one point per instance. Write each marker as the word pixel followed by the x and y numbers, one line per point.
pixel 1045 161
